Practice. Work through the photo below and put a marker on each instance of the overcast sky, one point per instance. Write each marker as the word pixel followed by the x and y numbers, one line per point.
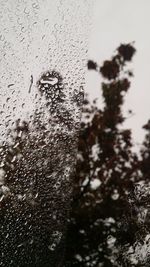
pixel 116 22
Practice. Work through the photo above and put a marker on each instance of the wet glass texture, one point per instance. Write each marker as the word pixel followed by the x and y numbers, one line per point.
pixel 43 45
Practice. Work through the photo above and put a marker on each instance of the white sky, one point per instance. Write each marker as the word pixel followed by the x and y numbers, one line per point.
pixel 116 22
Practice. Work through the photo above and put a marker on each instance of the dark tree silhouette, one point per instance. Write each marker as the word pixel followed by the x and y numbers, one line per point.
pixel 145 153
pixel 107 170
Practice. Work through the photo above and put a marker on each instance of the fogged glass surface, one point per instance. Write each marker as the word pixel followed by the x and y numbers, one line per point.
pixel 43 45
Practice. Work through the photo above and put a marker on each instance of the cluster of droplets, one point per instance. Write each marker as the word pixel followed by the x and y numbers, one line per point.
pixel 38 151
pixel 35 182
pixel 56 236
pixel 50 85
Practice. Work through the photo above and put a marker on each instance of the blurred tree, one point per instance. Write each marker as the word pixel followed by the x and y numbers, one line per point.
pixel 135 250
pixel 35 184
pixel 106 171
pixel 145 153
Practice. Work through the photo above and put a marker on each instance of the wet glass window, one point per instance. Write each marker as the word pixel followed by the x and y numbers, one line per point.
pixel 43 46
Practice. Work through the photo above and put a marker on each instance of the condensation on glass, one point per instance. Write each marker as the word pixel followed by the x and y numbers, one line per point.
pixel 43 45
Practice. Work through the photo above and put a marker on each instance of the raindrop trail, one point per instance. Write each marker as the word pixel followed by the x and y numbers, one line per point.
pixel 31 82
pixel 9 85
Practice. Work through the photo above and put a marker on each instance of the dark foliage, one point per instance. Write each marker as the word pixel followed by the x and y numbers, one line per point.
pixel 126 51
pixel 91 65
pixel 145 152
pixel 104 222
pixel 110 69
